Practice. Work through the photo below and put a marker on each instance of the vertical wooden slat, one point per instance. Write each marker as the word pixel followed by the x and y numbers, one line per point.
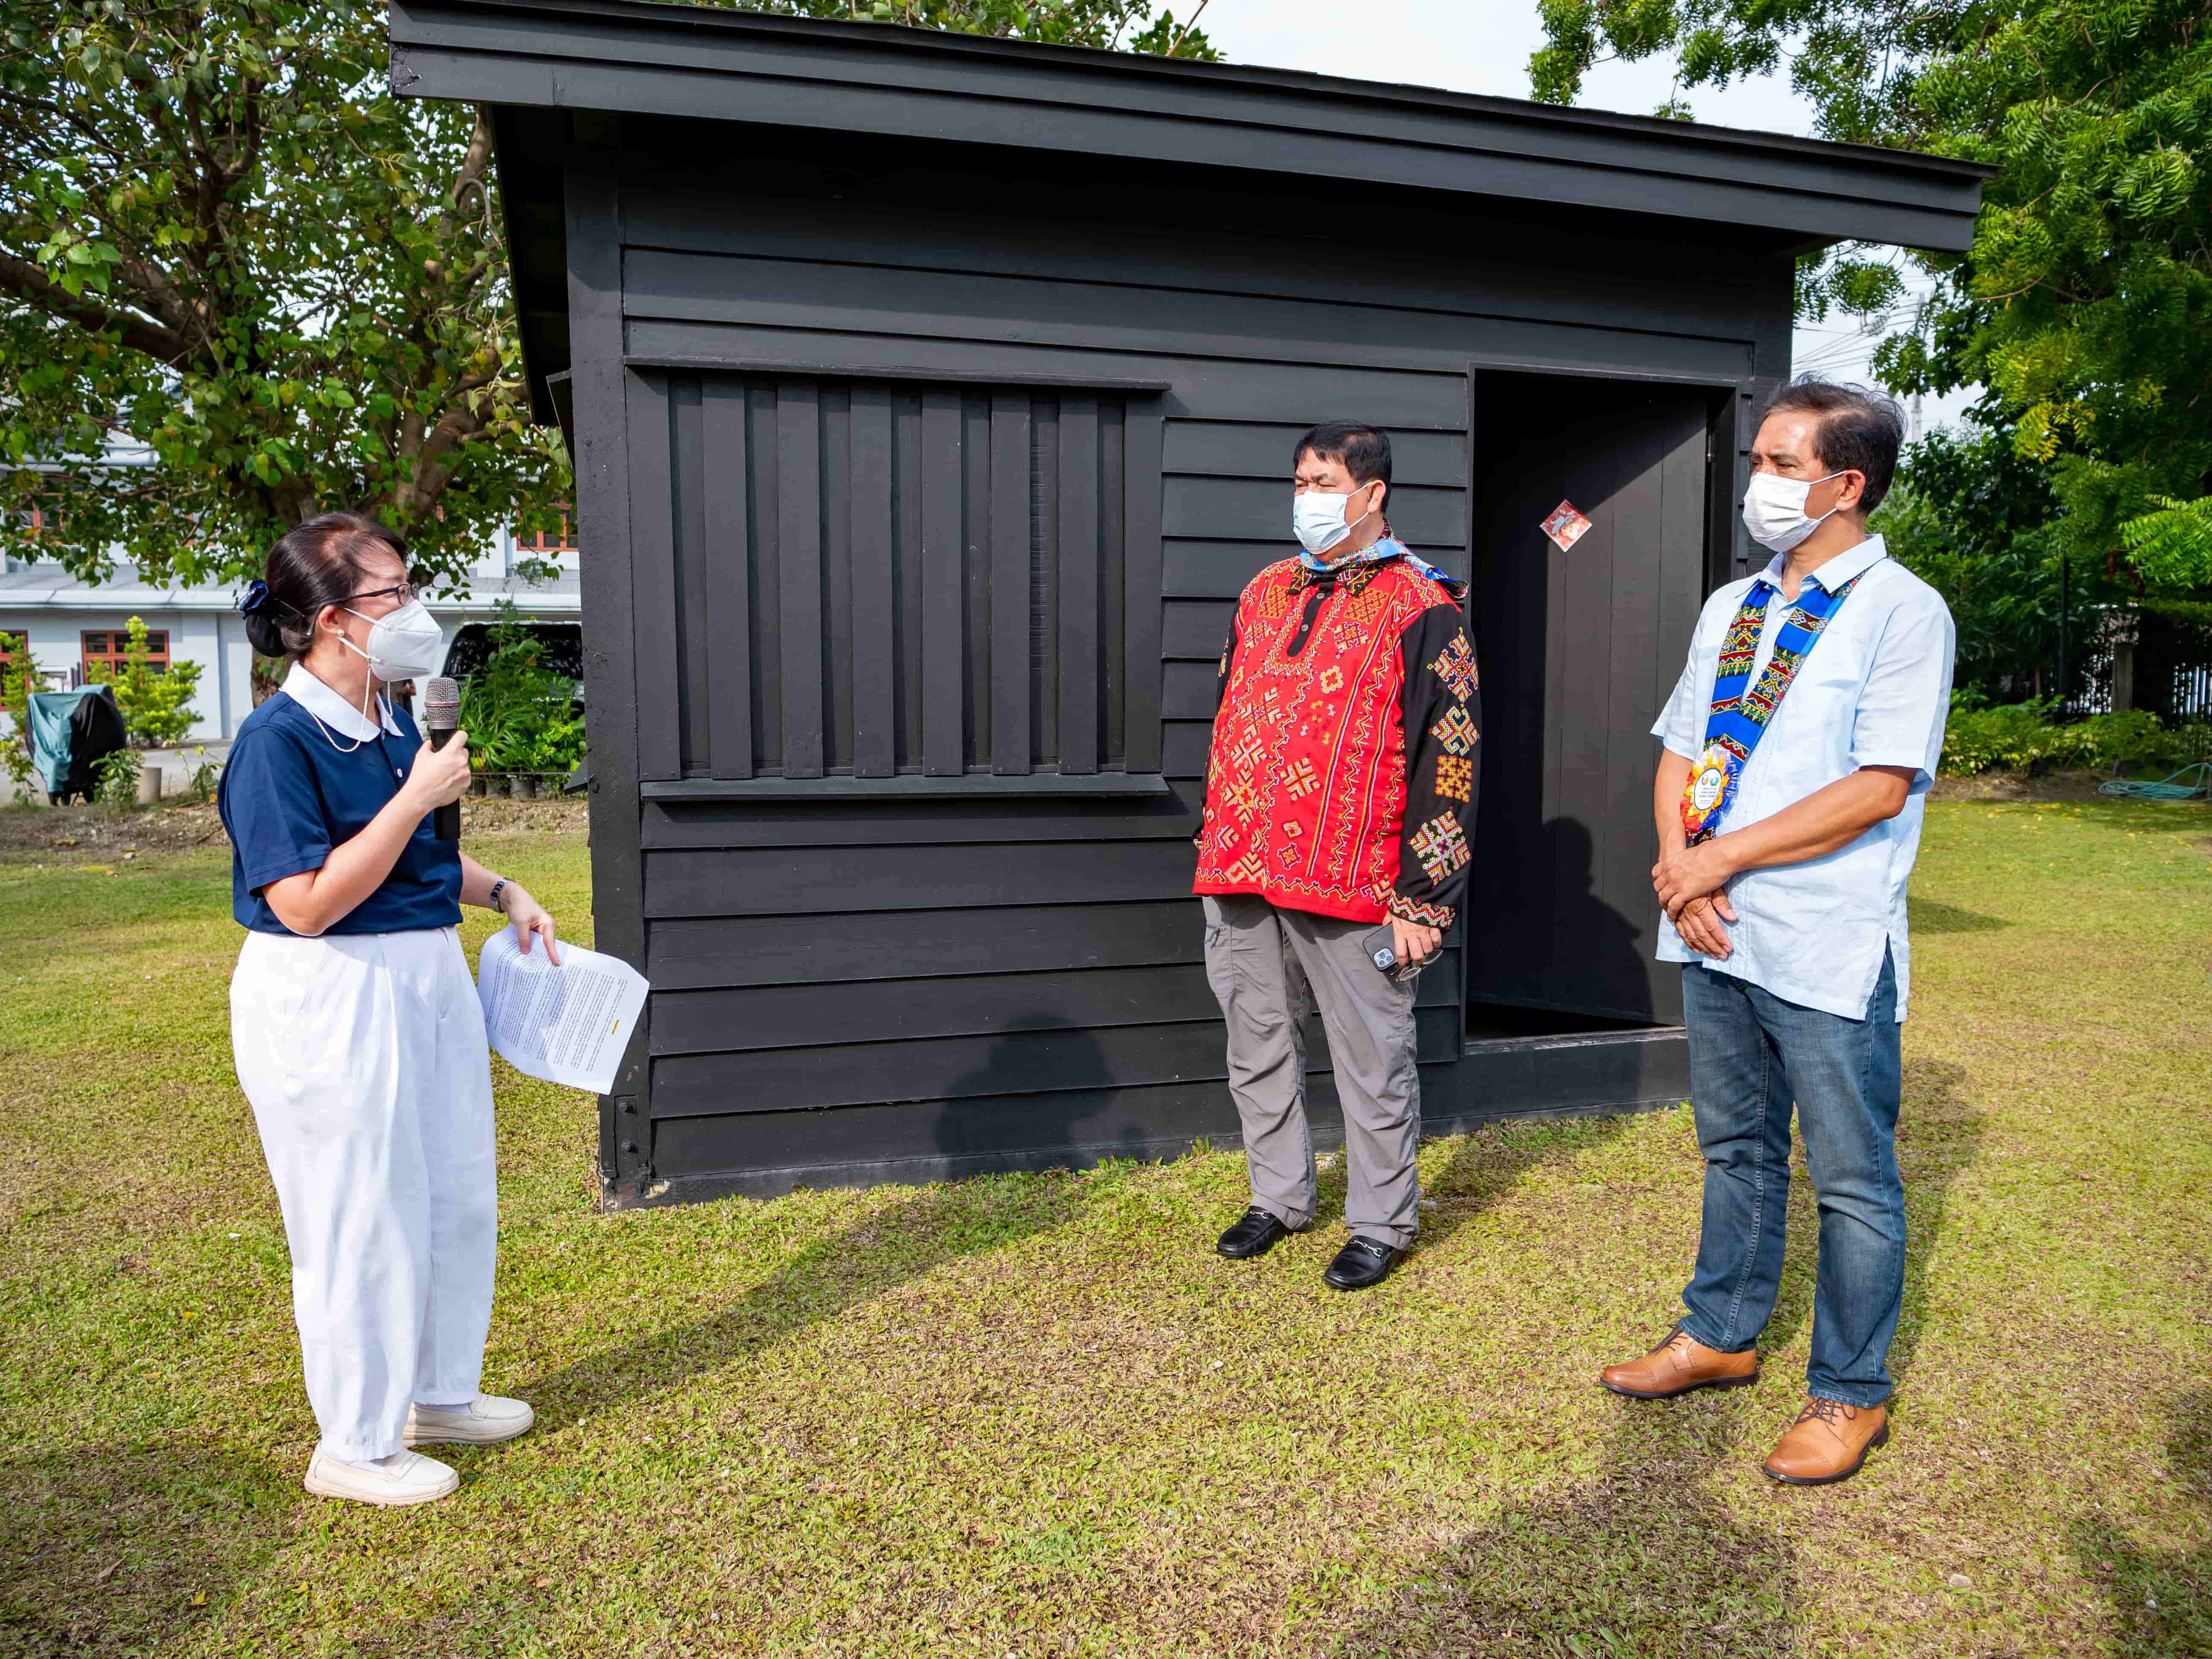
pixel 766 578
pixel 975 566
pixel 836 500
pixel 653 544
pixel 1010 582
pixel 601 390
pixel 944 619
pixel 1079 584
pixel 1113 543
pixel 726 638
pixel 906 566
pixel 799 554
pixel 1142 429
pixel 875 655
pixel 687 468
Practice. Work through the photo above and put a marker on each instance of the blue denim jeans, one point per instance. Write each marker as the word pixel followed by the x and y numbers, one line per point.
pixel 1751 1056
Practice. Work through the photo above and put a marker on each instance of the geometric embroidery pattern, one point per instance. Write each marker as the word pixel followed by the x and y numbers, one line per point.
pixel 1428 916
pixel 1307 762
pixel 1440 846
pixel 1455 777
pixel 1741 644
pixel 1455 666
pixel 1456 732
pixel 1780 669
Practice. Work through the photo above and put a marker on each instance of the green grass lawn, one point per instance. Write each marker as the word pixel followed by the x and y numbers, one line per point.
pixel 1037 1415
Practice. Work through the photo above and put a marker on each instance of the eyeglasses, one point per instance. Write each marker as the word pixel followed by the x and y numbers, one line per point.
pixel 403 595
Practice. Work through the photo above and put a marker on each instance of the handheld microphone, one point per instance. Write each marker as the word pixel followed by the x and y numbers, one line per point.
pixel 441 715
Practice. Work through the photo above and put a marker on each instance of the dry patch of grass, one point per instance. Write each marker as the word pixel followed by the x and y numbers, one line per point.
pixel 1035 1414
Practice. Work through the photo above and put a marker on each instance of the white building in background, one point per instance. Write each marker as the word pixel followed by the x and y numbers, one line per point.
pixel 71 624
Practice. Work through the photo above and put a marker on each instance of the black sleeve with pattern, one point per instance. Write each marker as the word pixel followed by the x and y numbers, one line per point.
pixel 1220 691
pixel 1444 717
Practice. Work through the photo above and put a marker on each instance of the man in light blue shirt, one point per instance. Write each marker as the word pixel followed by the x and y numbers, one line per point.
pixel 1789 818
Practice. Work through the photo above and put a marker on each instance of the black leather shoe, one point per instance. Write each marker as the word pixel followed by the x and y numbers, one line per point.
pixel 1361 1262
pixel 1255 1234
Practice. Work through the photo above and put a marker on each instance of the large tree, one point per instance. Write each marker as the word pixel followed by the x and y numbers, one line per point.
pixel 2085 305
pixel 241 284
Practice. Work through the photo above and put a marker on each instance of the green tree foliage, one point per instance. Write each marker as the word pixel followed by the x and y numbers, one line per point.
pixel 2086 303
pixel 18 677
pixel 1113 25
pixel 155 703
pixel 225 250
pixel 1974 522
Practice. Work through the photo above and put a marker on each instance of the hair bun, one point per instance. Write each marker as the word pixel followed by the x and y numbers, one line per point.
pixel 263 632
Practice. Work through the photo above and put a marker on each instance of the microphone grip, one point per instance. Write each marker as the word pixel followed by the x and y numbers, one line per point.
pixel 444 821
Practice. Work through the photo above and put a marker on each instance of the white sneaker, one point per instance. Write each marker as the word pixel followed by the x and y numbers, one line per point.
pixel 404 1478
pixel 484 1420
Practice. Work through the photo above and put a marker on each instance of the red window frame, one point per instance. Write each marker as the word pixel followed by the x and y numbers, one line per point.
pixel 114 649
pixel 550 542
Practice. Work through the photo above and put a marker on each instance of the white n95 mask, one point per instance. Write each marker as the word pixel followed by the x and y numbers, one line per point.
pixel 1774 509
pixel 403 646
pixel 1318 519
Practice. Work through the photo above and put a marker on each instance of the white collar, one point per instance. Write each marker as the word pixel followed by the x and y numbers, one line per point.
pixel 333 710
pixel 1833 573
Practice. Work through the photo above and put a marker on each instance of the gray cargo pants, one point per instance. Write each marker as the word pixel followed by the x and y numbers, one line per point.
pixel 1267 967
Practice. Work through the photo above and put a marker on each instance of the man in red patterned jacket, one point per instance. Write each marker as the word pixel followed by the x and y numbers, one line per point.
pixel 1340 797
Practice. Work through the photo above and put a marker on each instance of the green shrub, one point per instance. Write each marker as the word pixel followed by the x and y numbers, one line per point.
pixel 116 775
pixel 156 704
pixel 520 717
pixel 2015 737
pixel 18 679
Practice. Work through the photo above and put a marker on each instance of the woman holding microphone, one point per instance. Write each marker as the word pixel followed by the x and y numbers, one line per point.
pixel 356 1026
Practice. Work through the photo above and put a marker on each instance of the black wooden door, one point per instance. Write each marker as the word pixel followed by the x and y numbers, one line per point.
pixel 1579 650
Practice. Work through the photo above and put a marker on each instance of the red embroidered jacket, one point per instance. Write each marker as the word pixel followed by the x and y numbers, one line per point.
pixel 1341 779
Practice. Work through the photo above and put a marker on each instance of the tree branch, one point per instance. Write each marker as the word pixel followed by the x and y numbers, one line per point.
pixel 94 316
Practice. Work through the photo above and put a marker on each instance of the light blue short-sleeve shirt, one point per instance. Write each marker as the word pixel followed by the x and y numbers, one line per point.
pixel 1873 691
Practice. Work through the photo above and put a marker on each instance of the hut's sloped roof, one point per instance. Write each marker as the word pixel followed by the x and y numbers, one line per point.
pixel 630 56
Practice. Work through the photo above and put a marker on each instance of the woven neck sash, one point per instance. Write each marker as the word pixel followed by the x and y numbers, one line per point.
pixel 1740 717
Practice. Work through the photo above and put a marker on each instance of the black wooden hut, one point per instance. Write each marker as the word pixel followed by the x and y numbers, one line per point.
pixel 931 398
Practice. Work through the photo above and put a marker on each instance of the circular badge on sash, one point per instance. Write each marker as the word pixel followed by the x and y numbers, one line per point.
pixel 1712 782
pixel 1705 788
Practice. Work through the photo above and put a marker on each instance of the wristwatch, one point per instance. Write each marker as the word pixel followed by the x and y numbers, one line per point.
pixel 497 887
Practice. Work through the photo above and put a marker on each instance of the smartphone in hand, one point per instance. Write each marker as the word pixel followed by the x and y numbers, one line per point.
pixel 1381 947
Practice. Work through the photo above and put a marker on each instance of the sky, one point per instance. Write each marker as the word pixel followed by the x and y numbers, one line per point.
pixel 1485 47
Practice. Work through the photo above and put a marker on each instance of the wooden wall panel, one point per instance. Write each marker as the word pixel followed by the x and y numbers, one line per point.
pixel 996 575
pixel 861 579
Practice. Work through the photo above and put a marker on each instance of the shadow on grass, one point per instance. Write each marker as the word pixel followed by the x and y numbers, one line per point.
pixel 914 1236
pixel 1639 1559
pixel 1497 1158
pixel 131 1549
pixel 1635 1561
pixel 2162 1597
pixel 1939 1138
pixel 1929 917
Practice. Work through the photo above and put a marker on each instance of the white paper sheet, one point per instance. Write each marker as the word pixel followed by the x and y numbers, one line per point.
pixel 568 1024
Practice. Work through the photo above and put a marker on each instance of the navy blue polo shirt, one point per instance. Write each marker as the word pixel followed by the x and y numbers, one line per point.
pixel 289 793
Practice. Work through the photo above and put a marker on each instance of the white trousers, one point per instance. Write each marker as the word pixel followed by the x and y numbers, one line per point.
pixel 364 1058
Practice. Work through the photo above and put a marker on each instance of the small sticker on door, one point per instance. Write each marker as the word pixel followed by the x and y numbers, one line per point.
pixel 1566 525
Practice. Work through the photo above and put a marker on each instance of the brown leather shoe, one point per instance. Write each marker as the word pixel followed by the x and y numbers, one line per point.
pixel 1827 1442
pixel 1679 1364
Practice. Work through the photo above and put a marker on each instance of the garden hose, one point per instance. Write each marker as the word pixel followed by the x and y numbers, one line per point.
pixel 2170 789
